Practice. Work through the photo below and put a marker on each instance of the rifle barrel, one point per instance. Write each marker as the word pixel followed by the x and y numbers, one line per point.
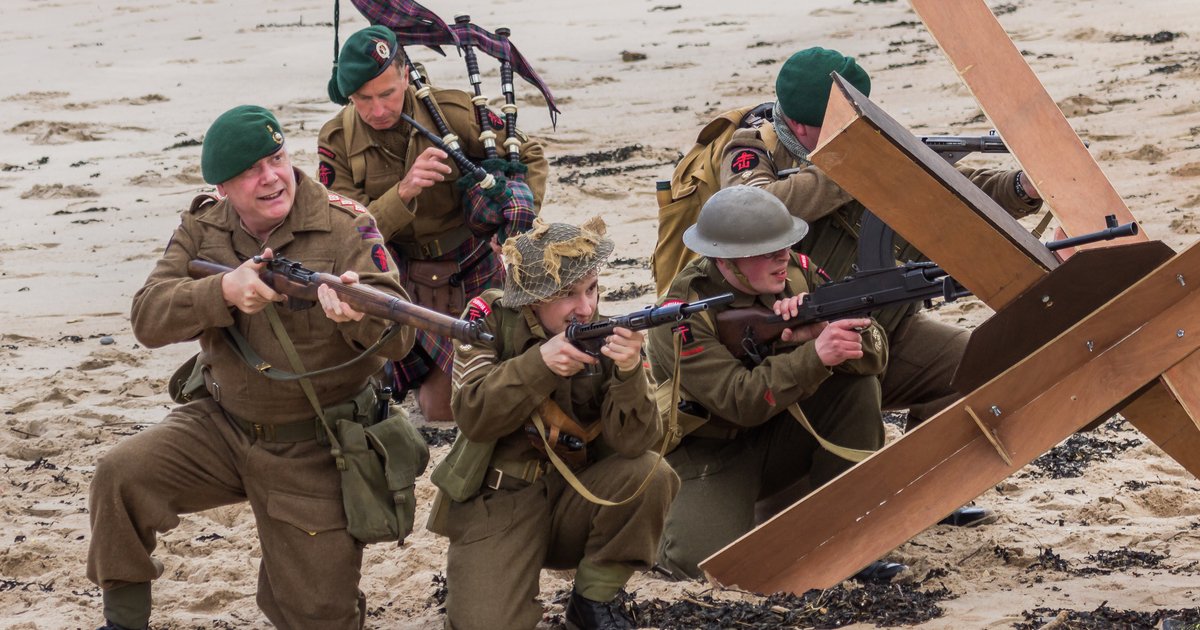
pixel 1107 234
pixel 361 298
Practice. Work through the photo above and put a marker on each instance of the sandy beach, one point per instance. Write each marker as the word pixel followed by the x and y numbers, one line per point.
pixel 104 107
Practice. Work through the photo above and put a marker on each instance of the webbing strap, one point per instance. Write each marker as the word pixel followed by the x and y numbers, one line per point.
pixel 237 342
pixel 578 485
pixel 851 454
pixel 358 163
pixel 305 383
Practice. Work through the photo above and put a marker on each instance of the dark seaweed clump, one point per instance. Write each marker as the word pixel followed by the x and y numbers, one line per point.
pixel 885 605
pixel 1076 453
pixel 1105 618
pixel 438 437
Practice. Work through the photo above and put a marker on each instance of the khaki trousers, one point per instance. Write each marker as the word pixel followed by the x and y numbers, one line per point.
pixel 923 355
pixel 501 539
pixel 196 459
pixel 722 479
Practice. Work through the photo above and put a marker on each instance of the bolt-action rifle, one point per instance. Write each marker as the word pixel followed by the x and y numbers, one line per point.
pixel 590 337
pixel 289 278
pixel 751 331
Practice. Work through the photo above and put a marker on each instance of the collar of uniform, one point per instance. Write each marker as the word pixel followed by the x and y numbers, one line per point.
pixel 309 195
pixel 362 139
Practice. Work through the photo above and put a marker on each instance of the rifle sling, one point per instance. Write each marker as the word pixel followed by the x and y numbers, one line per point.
pixel 242 348
pixel 578 485
pixel 305 384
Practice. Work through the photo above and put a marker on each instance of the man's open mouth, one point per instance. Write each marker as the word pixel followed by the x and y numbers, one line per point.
pixel 272 196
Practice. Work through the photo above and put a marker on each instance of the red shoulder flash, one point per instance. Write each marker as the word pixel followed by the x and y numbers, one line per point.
pixel 670 302
pixel 804 262
pixel 478 309
pixel 744 160
pixel 770 398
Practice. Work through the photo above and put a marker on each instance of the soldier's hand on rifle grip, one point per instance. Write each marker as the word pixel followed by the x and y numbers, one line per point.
pixel 427 170
pixel 789 308
pixel 563 358
pixel 334 307
pixel 624 347
pixel 243 288
pixel 839 342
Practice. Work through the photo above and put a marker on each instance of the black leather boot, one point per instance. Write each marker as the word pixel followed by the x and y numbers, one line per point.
pixel 585 614
pixel 879 571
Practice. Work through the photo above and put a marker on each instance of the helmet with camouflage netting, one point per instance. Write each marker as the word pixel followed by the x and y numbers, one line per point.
pixel 550 257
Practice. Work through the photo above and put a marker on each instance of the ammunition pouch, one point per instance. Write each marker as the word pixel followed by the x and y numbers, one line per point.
pixel 460 474
pixel 382 463
pixel 187 383
pixel 429 285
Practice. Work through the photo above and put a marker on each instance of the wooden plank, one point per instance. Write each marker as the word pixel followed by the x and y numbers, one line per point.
pixel 900 179
pixel 1169 418
pixel 944 463
pixel 1057 302
pixel 1023 113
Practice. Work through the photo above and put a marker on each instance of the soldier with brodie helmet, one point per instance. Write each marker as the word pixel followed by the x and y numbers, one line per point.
pixel 507 507
pixel 924 352
pixel 369 154
pixel 244 437
pixel 811 407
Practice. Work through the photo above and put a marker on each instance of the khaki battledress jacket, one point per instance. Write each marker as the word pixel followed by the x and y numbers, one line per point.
pixel 493 399
pixel 737 393
pixel 438 210
pixel 325 233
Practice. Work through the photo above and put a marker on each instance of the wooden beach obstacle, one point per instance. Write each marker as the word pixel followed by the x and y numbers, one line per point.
pixel 1115 328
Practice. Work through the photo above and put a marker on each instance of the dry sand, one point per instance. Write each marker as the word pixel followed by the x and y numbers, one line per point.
pixel 96 95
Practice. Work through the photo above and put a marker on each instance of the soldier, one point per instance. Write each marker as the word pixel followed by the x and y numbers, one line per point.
pixel 249 438
pixel 369 154
pixel 519 513
pixel 924 352
pixel 747 441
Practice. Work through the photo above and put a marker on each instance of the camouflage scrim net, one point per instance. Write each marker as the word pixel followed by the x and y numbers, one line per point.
pixel 551 256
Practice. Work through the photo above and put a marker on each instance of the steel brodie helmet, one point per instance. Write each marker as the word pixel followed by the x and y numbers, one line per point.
pixel 743 221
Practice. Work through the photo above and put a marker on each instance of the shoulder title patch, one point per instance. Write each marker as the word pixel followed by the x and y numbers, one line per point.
pixel 744 160
pixel 325 174
pixel 379 257
pixel 478 309
pixel 326 152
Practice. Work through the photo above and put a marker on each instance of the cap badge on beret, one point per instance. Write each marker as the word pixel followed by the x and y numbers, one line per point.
pixel 275 134
pixel 381 49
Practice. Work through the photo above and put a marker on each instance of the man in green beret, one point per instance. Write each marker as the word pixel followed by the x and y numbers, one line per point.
pixel 924 352
pixel 239 436
pixel 367 153
pixel 775 137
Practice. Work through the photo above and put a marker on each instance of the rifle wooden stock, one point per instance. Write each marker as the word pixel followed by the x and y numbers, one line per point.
pixel 360 297
pixel 757 324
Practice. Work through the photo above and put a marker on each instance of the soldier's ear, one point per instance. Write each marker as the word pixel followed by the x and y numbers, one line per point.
pixel 221 189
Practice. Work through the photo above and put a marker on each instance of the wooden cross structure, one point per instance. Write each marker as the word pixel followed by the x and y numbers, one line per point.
pixel 1114 328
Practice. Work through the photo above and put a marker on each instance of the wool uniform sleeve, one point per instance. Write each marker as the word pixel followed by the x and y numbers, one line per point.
pixel 172 307
pixel 631 424
pixel 713 377
pixel 492 398
pixel 1001 186
pixel 809 193
pixel 364 253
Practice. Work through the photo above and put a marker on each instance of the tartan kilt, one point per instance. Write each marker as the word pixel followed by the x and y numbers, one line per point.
pixel 429 349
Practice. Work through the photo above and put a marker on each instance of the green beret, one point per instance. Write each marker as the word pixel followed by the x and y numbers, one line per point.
pixel 804 83
pixel 236 140
pixel 365 56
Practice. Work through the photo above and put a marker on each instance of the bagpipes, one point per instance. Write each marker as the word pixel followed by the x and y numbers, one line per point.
pixel 496 198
